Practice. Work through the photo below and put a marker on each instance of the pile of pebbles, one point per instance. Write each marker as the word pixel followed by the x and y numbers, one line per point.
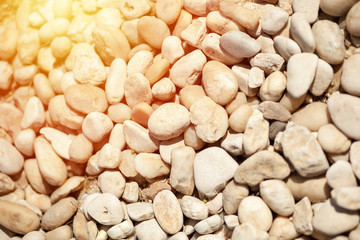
pixel 181 119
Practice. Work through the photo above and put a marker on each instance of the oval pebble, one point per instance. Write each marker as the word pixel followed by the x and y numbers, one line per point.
pixel 194 208
pixel 300 30
pixel 350 76
pixel 239 44
pixel 11 160
pixel 106 209
pixel 352 20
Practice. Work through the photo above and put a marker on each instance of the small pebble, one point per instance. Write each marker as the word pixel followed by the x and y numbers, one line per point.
pixel 194 208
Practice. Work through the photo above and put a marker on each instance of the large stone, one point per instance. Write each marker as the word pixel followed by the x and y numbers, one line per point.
pixel 313 116
pixel 352 20
pixel 350 77
pixel 239 44
pixel 336 8
pixel 310 8
pixel 11 160
pixel 323 77
pixel 300 30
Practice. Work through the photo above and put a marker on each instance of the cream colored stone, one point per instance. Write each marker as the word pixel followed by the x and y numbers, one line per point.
pixel 209 225
pixel 273 87
pixel 158 69
pixel 332 140
pixel 24 75
pixel 7 184
pixel 268 62
pixel 291 103
pixel 323 77
pixel 60 141
pixel 11 161
pixel 191 139
pixel 28 46
pixel 80 149
pixel 347 197
pixel 240 14
pixel 114 86
pixel 72 184
pixel 336 8
pixel 131 192
pixel 241 72
pixel 138 138
pixel 59 213
pixel 96 126
pixel 340 174
pixel 140 211
pixel 153 30
pixel 232 143
pixel 301 32
pixel 302 217
pixel 9 38
pixel 129 28
pixel 164 89
pixel 137 89
pixel 60 47
pixel 117 137
pixel 131 9
pixel 150 165
pixel 312 116
pixel 168 11
pixel 24 141
pixel 41 201
pixel 172 49
pixel 45 59
pixel 119 113
pixel 283 228
pixel 149 228
pixel 183 21
pixel 232 195
pixel 286 47
pixel 106 209
pixel 109 16
pixel 351 23
pixel 121 230
pixel 43 88
pixel 195 32
pixel 248 231
pixel 109 156
pixel 220 24
pixel 34 177
pixel 112 182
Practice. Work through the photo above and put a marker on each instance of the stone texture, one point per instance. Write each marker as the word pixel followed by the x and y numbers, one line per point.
pixel 300 30
pixel 332 140
pixel 286 47
pixel 239 44
pixel 347 197
pixel 309 8
pixel 268 62
pixel 274 20
pixel 312 116
pixel 350 75
pixel 352 20
pixel 323 77
pixel 274 111
pixel 248 231
pixel 194 208
pixel 302 217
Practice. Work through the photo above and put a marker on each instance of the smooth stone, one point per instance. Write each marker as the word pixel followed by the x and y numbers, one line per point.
pixel 256 135
pixel 209 225
pixel 166 147
pixel 138 138
pixel 254 210
pixel 59 140
pixel 274 20
pixel 277 196
pixel 106 209
pixel 275 128
pixel 213 167
pixel 302 216
pixel 283 228
pixel 286 47
pixel 168 212
pixel 303 151
pixel 150 165
pixel 274 111
pixel 179 236
pixel 268 62
pixel 121 230
pixel 332 220
pixel 312 116
pixel 239 44
pixel 273 166
pixel 323 77
pixel 194 208
pixel 248 231
pixel 340 174
pixel 150 228
pixel 140 211
pixel 352 20
pixel 316 189
pixel 72 184
pixel 232 195
pixel 300 30
pixel 344 111
pixel 347 197
pixel 232 143
pixel 231 221
pixel 273 87
pixel 310 8
pixel 336 8
pixel 11 160
pixel 112 182
pixel 301 70
pixel 350 76
pixel 332 140
pixel 355 158
pixel 329 41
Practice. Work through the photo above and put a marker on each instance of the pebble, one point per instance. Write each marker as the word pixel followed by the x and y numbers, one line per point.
pixel 10 212
pixel 121 230
pixel 34 177
pixel 283 228
pixel 168 12
pixel 340 174
pixel 131 192
pixel 219 82
pixel 341 106
pixel 137 90
pixel 172 49
pixel 239 119
pixel 153 30
pixel 347 197
pixel 197 8
pixel 256 77
pixel 106 209
pixel 22 76
pixel 312 116
pixel 168 212
pixel 213 167
pixel 352 25
pixel 309 8
pixel 301 32
pixel 256 135
pixel 209 225
pixel 231 221
pixel 112 182
pixel 28 46
pixel 268 62
pixel 350 75
pixel 10 118
pixel 336 8
pixel 277 196
pixel 254 210
pixel 215 205
pixel 88 68
pixel 210 119
pixel 86 98
pixel 6 77
pixel 7 185
pixel 354 234
pixel 168 121
pixel 96 126
pixel 286 47
pixel 181 173
pixel 34 235
pixel 248 231
pixel 59 213
pixel 138 138
pixel 273 87
pixel 140 62
pixel 11 161
pixel 332 220
pixel 72 184
pixel 354 158
pixel 43 88
pixel 329 41
pixel 221 24
pixel 167 146
pixel 332 140
pixel 273 166
pixel 150 165
pixel 62 232
pixel 41 201
pixel 194 208
pixel 299 77
pixel 274 20
pixel 274 111
pixel 241 72
pixel 80 149
pixel 316 188
pixel 179 236
pixel 323 77
pixel 191 139
pixel 302 216
pixel 140 211
pixel 114 86
pixel 59 140
pixel 232 143
pixel 232 195
pixel 109 156
pixel 303 151
pixel 187 70
pixel 150 228
pixel 240 14
pixel 239 44
pixel 154 188
pixel 194 33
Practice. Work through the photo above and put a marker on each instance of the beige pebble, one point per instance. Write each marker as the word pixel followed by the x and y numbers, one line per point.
pixel 267 44
pixel 210 119
pixel 131 192
pixel 11 161
pixel 215 205
pixel 15 196
pixel 190 94
pixel 121 230
pixel 60 47
pixel 33 235
pixel 302 217
pixel 119 113
pixel 347 197
pixel 149 228
pixel 194 33
pixel 194 208
pixel 34 177
pixel 24 75
pixel 241 72
pixel 28 46
pixel 7 184
pixel 316 188
pixel 168 11
pixel 80 149
pixel 291 103
pixel 232 143
pixel 239 100
pixel 109 16
pixel 127 165
pixel 53 28
pixel 88 67
pixel 181 173
pixel 239 44
pixel 274 20
pixel 349 75
pixel 59 213
pixel 117 137
pixel 256 77
pixel 351 24
pixel 62 8
pixel 106 209
pixel 51 166
pixel 187 70
pixel 220 24
pixel 34 114
pixel 110 43
pixel 232 195
pixel 256 134
pixel 45 59
pixel 18 218
pixel 168 121
pixel 240 14
pixel 9 39
pixel 96 126
pixel 62 232
pixel 114 86
pixel 131 9
pixel 112 182
pixel 129 28
pixel 158 69
pixel 323 77
pixel 7 76
pixel 43 88
pixel 268 62
pixel 312 116
pixel 248 231
pixel 336 8
pixel 41 201
pixel 209 225
pixel 138 138
pixel 277 196
pixel 140 62
pixel 301 32
pixel 92 167
pixel 283 228
pixel 332 139
pixel 354 234
pixel 149 27
pixel 211 46
pixel 197 8
pixel 254 210
pixel 67 80
pixel 150 165
pixel 286 47
pixel 10 118
pixel 340 174
pixel 273 87
pixel 140 211
pixel 21 96
pixel 72 184
pixel 219 82
pixel 354 159
pixel 137 89
pixel 274 111
pixel 141 113
pixel 183 21
pixel 172 49
pixel 164 89
pixel 166 147
pixel 191 139
pixel 274 166
pixel 109 156
pixel 70 60
pixel 24 142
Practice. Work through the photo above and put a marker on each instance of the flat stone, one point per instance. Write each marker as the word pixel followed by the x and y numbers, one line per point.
pixel 286 47
pixel 310 8
pixel 336 8
pixel 11 160
pixel 232 195
pixel 329 41
pixel 300 30
pixel 303 151
pixel 209 225
pixel 340 174
pixel 347 197
pixel 323 77
pixel 140 211
pixel 150 165
pixel 248 231
pixel 301 70
pixel 272 165
pixel 149 228
pixel 274 20
pixel 344 111
pixel 239 44
pixel 274 111
pixel 332 140
pixel 106 209
pixel 213 167
pixel 302 216
pixel 350 76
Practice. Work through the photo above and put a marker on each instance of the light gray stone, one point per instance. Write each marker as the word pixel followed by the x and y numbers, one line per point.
pixel 149 228
pixel 239 44
pixel 352 20
pixel 194 208
pixel 274 20
pixel 300 30
pixel 323 77
pixel 286 47
pixel 350 77
pixel 310 8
